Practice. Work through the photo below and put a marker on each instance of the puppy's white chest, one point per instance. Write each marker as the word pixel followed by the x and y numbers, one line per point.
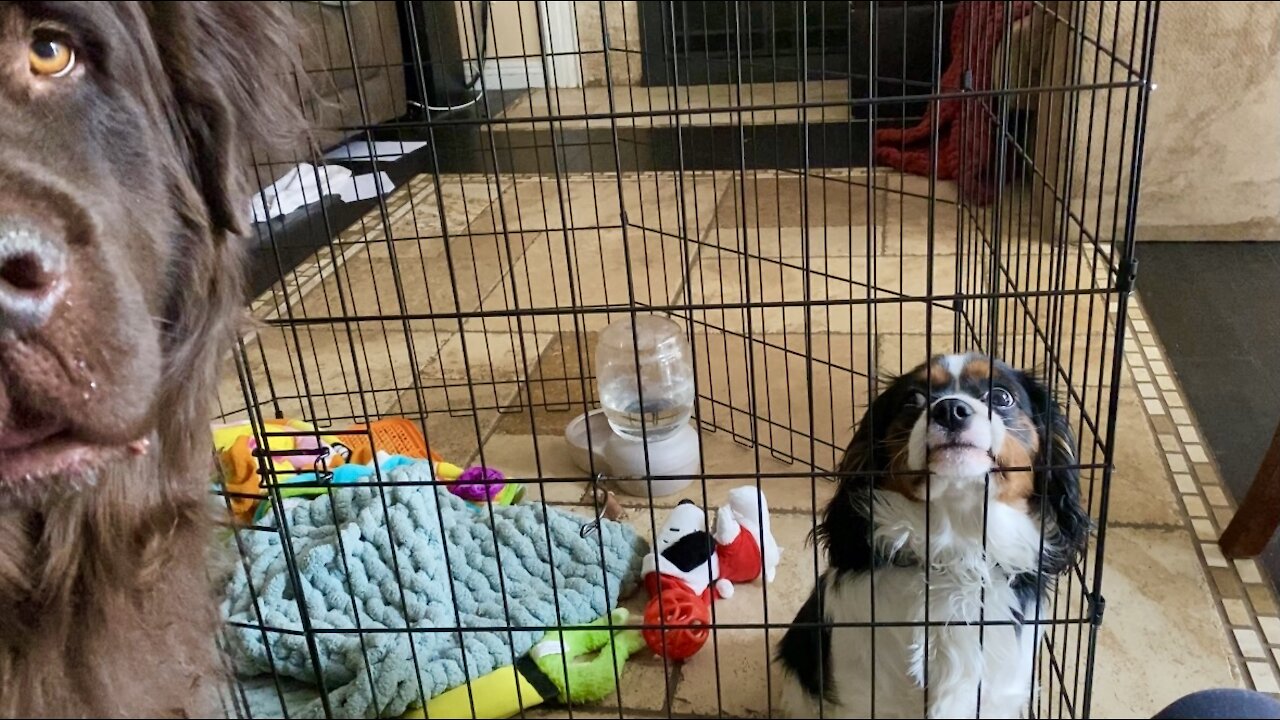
pixel 930 654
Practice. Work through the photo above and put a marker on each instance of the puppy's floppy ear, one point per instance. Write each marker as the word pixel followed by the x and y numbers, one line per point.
pixel 845 527
pixel 234 72
pixel 1057 491
pixel 866 451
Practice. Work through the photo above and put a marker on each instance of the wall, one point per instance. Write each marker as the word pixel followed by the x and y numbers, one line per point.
pixel 622 19
pixel 514 42
pixel 1212 165
pixel 513 28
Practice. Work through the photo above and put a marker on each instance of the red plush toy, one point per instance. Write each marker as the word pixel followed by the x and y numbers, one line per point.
pixel 689 567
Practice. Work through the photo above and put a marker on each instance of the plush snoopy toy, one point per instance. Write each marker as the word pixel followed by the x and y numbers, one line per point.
pixel 745 545
pixel 684 553
pixel 741 549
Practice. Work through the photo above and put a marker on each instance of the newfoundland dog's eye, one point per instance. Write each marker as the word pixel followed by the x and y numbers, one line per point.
pixel 50 57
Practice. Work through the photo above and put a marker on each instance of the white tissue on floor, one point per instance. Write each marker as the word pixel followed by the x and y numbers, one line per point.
pixel 306 184
pixel 367 186
pixel 387 150
pixel 302 185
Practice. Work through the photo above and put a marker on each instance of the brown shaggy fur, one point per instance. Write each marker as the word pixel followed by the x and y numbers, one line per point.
pixel 105 607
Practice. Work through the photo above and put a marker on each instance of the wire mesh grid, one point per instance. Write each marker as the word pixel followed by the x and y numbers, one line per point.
pixel 723 165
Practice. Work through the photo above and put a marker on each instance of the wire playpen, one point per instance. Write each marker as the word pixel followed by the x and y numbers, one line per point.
pixel 818 197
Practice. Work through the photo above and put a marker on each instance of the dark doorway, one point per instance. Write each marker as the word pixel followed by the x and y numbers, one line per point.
pixel 719 43
pixel 701 43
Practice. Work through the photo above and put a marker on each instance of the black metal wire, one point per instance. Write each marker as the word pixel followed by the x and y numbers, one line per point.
pixel 1040 276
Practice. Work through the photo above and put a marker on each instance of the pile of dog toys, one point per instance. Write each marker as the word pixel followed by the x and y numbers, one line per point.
pixel 689 567
pixel 306 462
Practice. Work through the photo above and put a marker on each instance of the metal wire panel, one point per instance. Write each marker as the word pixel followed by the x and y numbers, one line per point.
pixel 716 163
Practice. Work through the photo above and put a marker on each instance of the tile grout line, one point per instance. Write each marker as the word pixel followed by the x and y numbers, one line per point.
pixel 1254 636
pixel 1179 527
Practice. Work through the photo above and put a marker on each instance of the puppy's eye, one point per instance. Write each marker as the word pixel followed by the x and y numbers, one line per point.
pixel 916 400
pixel 50 57
pixel 999 397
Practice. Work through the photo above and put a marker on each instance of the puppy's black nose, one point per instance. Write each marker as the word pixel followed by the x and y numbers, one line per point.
pixel 951 413
pixel 32 266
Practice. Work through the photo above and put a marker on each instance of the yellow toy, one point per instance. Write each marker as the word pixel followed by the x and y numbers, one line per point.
pixel 235 444
pixel 494 694
pixel 342 457
pixel 574 667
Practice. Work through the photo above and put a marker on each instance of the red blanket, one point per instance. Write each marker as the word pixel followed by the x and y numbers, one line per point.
pixel 965 125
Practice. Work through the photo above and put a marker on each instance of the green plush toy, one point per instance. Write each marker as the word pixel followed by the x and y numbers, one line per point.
pixel 550 671
pixel 591 680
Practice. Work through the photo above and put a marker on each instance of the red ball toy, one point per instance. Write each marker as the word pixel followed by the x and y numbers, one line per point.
pixel 687 618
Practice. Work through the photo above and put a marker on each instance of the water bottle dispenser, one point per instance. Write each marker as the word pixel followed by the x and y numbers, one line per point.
pixel 645 372
pixel 645 377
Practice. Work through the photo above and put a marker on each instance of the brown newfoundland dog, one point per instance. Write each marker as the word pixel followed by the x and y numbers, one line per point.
pixel 123 192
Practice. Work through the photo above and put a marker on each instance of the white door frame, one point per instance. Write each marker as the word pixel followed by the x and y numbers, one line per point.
pixel 560 41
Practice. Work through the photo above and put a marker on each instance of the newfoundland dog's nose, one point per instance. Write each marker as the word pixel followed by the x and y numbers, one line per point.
pixel 33 264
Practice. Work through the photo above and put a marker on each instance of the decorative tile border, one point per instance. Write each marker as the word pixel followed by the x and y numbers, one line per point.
pixel 1245 597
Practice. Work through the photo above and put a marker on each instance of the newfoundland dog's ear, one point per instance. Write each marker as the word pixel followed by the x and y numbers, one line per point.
pixel 236 84
pixel 233 84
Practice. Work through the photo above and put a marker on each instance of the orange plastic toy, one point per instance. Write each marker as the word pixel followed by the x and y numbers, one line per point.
pixel 395 436
pixel 686 617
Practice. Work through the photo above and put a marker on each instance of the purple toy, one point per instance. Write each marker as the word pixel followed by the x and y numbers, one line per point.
pixel 478 483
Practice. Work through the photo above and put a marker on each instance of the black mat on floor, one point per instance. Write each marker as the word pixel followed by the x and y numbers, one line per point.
pixel 1216 307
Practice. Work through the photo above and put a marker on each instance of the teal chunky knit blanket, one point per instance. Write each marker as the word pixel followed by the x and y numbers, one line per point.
pixel 347 546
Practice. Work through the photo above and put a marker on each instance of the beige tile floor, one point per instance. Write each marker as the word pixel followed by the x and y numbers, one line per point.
pixel 488 337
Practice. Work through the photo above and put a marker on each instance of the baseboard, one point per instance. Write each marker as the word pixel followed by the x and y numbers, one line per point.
pixel 511 74
pixel 1249 231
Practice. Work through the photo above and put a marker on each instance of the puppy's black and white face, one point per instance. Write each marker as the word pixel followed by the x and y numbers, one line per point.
pixel 963 417
pixel 964 423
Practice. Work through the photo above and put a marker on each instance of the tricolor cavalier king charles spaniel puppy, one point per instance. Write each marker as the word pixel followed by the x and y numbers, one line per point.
pixel 985 454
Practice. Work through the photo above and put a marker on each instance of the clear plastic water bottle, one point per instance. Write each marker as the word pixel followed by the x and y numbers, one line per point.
pixel 664 377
